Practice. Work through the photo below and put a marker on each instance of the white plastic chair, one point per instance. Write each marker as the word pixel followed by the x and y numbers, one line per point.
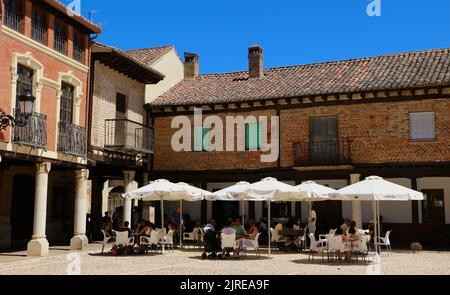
pixel 253 244
pixel 361 248
pixel 316 246
pixel 152 241
pixel 168 240
pixel 229 242
pixel 335 245
pixel 106 240
pixel 123 239
pixel 380 241
pixel 332 232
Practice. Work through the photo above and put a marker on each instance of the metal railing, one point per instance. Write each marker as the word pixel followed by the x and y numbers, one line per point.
pixel 13 20
pixel 38 32
pixel 71 139
pixel 78 53
pixel 322 153
pixel 34 133
pixel 128 136
pixel 60 43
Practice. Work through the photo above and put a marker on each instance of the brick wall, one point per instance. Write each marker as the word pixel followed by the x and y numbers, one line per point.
pixel 379 133
pixel 52 67
pixel 107 83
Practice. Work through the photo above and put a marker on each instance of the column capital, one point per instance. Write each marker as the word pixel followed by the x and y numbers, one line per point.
pixel 82 173
pixel 43 167
pixel 354 178
pixel 128 175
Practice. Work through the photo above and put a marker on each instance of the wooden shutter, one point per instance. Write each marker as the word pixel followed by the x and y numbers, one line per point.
pixel 198 138
pixel 252 137
pixel 206 136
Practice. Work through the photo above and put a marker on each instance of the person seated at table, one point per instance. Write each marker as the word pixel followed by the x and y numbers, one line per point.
pixel 351 240
pixel 339 233
pixel 371 229
pixel 252 230
pixel 109 232
pixel 228 230
pixel 126 227
pixel 297 225
pixel 146 229
pixel 277 231
pixel 345 226
pixel 239 228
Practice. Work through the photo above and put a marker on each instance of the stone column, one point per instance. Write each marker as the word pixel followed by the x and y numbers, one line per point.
pixel 128 178
pixel 38 246
pixel 105 195
pixel 79 240
pixel 145 178
pixel 356 205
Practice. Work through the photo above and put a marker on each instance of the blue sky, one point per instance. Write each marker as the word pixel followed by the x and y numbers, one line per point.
pixel 290 31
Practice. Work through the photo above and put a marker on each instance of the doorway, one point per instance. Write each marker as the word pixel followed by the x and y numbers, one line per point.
pixel 22 210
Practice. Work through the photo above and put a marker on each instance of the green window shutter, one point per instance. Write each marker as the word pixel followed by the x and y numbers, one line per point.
pixel 198 138
pixel 252 137
pixel 206 138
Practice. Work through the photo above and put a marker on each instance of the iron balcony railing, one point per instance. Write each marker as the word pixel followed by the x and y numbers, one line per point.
pixel 13 20
pixel 71 139
pixel 34 133
pixel 78 53
pixel 60 43
pixel 38 32
pixel 128 136
pixel 322 153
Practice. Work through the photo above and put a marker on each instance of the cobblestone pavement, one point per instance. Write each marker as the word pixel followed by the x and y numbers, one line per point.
pixel 190 262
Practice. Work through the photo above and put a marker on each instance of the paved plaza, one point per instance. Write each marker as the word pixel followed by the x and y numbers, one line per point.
pixel 189 262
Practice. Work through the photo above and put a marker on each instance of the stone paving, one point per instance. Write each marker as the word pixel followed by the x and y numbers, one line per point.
pixel 189 262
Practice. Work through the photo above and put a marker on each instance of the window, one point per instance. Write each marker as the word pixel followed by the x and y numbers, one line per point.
pixel 324 141
pixel 253 137
pixel 60 38
pixel 121 108
pixel 66 109
pixel 78 48
pixel 38 27
pixel 422 126
pixel 433 210
pixel 13 16
pixel 202 138
pixel 24 82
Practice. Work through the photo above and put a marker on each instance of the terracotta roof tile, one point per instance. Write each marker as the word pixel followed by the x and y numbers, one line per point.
pixel 393 71
pixel 150 55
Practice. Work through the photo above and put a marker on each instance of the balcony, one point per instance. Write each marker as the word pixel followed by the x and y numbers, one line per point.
pixel 322 153
pixel 126 136
pixel 71 139
pixel 38 32
pixel 33 134
pixel 13 20
pixel 60 43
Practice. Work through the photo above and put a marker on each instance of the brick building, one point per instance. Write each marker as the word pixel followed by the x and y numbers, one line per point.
pixel 120 138
pixel 339 122
pixel 44 49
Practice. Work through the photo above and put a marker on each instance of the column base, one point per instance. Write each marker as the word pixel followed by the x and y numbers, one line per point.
pixel 78 242
pixel 416 246
pixel 38 247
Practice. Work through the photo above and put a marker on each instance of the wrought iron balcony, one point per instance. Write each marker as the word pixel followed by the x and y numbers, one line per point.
pixel 322 153
pixel 33 134
pixel 38 32
pixel 127 136
pixel 71 139
pixel 13 19
pixel 60 43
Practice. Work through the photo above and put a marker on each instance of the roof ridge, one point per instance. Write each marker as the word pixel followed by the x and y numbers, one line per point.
pixel 356 59
pixel 146 48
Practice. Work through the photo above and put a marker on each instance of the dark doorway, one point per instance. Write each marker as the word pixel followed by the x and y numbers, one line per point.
pixel 222 210
pixel 329 215
pixel 22 210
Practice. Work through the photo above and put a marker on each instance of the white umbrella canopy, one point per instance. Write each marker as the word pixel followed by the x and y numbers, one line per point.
pixel 378 189
pixel 235 192
pixel 270 189
pixel 157 190
pixel 311 191
pixel 192 193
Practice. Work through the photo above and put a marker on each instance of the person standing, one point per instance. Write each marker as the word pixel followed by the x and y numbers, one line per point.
pixel 312 221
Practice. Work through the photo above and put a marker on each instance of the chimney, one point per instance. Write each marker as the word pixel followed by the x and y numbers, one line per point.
pixel 255 62
pixel 190 65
